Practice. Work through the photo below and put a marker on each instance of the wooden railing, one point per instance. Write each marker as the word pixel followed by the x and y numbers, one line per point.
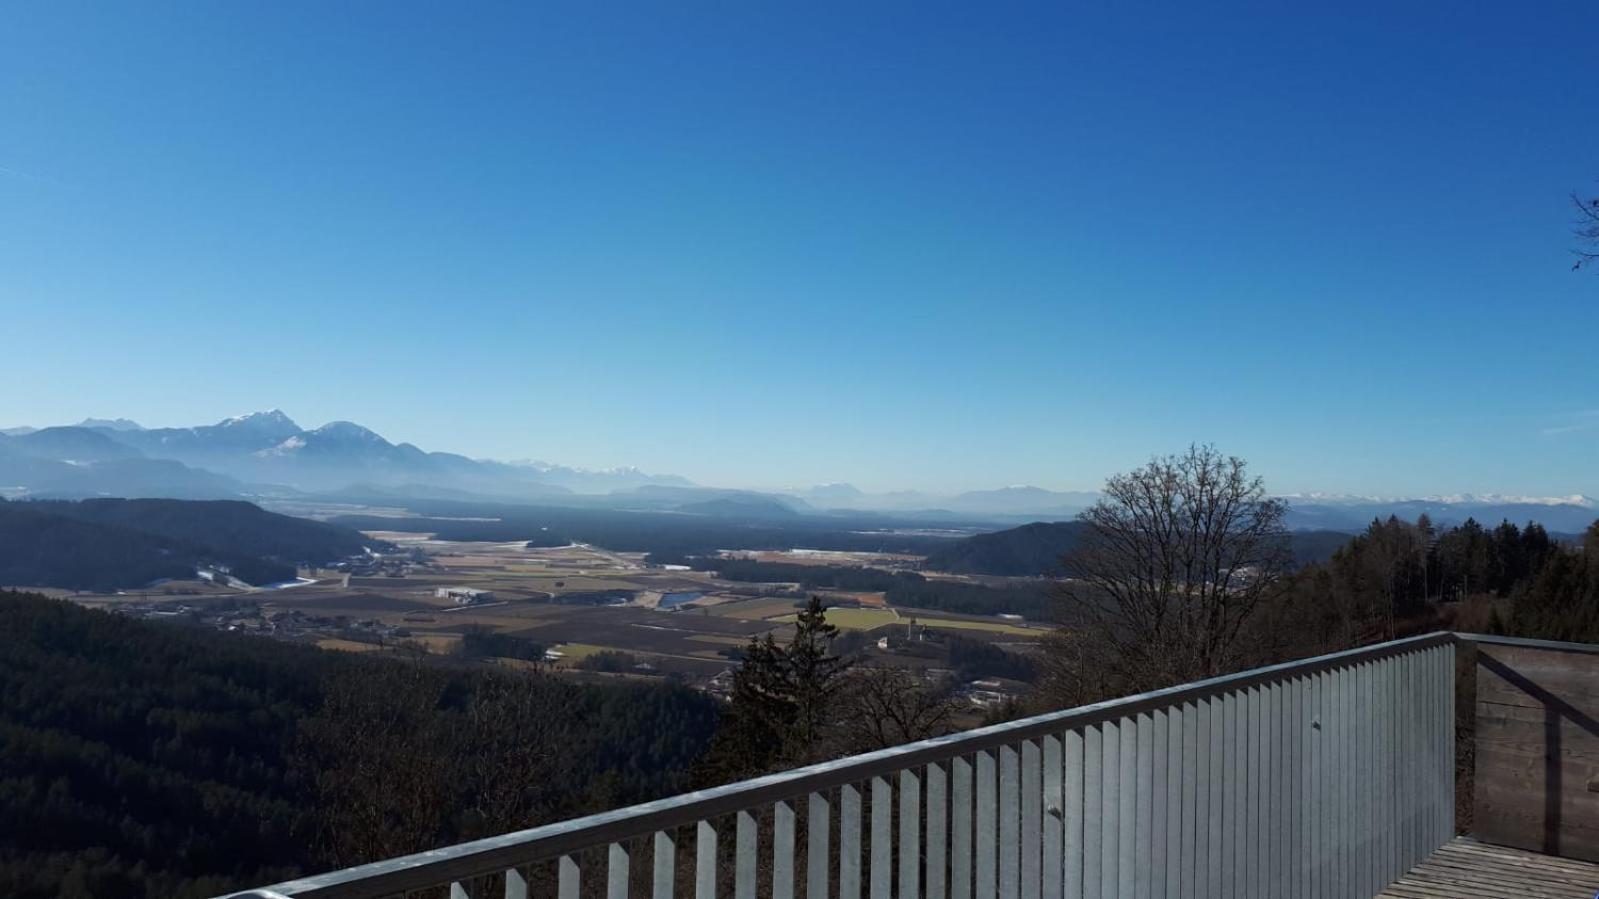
pixel 1327 777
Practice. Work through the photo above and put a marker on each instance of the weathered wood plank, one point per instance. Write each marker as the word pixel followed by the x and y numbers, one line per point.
pixel 1467 869
pixel 1537 750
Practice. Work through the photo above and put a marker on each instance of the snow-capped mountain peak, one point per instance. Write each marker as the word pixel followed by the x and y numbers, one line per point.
pixel 1460 499
pixel 272 421
pixel 347 431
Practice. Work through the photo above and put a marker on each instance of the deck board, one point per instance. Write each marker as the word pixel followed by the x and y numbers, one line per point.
pixel 1467 869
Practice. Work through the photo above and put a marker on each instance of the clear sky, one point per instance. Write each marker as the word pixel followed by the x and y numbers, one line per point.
pixel 935 245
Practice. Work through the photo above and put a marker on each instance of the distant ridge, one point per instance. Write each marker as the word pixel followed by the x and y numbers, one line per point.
pixel 109 544
pixel 110 424
pixel 1036 549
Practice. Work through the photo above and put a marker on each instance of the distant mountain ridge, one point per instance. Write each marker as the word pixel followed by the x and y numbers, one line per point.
pixel 261 451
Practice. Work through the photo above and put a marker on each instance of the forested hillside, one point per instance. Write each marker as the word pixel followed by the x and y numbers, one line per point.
pixel 1029 550
pixel 901 588
pixel 1036 549
pixel 152 760
pixel 42 549
pixel 109 544
pixel 228 525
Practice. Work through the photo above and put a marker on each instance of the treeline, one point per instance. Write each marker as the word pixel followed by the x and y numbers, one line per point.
pixel 112 544
pixel 1035 550
pixel 966 659
pixel 1390 578
pixel 149 760
pixel 901 588
pixel 479 642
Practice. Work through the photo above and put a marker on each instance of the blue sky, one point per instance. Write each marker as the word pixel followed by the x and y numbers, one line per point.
pixel 921 245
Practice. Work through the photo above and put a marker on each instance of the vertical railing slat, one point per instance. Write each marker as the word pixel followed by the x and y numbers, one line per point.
pixel 985 826
pixel 1293 849
pixel 1127 811
pixel 1347 885
pixel 1368 782
pixel 704 860
pixel 1153 764
pixel 1196 745
pixel 1407 718
pixel 1444 714
pixel 1010 817
pixel 1399 740
pixel 1110 809
pixel 1169 886
pixel 1032 839
pixel 1276 845
pixel 1332 780
pixel 665 861
pixel 817 850
pixel 1231 806
pixel 1277 818
pixel 1304 786
pixel 782 851
pixel 910 841
pixel 960 829
pixel 1137 853
pixel 1316 789
pixel 882 858
pixel 616 875
pixel 1072 786
pixel 1388 771
pixel 1093 828
pixel 746 848
pixel 1249 847
pixel 1435 690
pixel 937 832
pixel 1451 660
pixel 515 884
pixel 569 879
pixel 849 842
pixel 1214 835
pixel 1360 830
pixel 1054 831
pixel 1449 741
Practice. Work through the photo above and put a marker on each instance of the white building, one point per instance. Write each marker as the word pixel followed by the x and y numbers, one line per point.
pixel 464 596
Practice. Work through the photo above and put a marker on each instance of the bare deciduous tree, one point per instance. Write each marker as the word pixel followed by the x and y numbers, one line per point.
pixel 885 707
pixel 1586 231
pixel 1177 558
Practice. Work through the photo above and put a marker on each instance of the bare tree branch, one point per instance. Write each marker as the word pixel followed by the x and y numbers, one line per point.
pixel 1586 230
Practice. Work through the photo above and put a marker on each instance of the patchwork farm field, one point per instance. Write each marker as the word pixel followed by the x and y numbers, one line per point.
pixel 578 601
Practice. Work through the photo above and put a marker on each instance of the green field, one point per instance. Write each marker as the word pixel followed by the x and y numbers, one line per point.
pixel 853 619
pixel 871 619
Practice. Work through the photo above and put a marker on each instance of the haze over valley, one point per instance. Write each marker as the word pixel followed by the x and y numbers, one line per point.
pixel 746 450
pixel 267 456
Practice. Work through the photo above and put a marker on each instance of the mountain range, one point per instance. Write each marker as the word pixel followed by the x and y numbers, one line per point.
pixel 267 452
pixel 267 455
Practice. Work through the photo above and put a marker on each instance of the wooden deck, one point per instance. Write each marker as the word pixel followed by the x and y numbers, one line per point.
pixel 1467 869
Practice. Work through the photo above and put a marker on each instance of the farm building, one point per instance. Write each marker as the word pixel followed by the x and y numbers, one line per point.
pixel 464 596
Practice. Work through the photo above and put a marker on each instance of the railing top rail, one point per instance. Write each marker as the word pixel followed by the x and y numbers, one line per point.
pixel 1556 645
pixel 478 857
